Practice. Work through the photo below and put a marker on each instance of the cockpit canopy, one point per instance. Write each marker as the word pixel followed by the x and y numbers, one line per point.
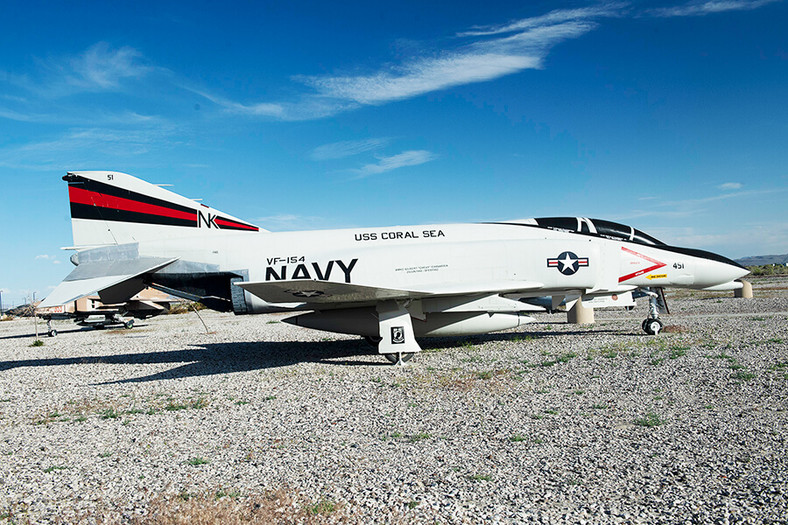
pixel 596 227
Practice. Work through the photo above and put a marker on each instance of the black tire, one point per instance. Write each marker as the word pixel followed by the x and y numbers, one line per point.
pixel 653 326
pixel 394 358
pixel 373 341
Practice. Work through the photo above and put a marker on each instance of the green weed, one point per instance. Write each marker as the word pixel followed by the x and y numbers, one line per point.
pixel 650 420
pixel 109 413
pixel 322 507
pixel 480 477
pixel 56 467
pixel 678 351
pixel 743 375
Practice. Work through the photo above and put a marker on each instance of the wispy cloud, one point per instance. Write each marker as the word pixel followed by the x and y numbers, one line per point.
pixel 347 148
pixel 265 109
pixel 45 257
pixel 11 114
pixel 406 158
pixel 422 77
pixel 701 8
pixel 479 54
pixel 693 203
pixel 97 69
pixel 558 16
pixel 689 207
pixel 515 47
pixel 38 96
pixel 289 222
pixel 730 186
pixel 75 116
pixel 479 61
pixel 79 145
pixel 746 239
pixel 102 67
pixel 309 107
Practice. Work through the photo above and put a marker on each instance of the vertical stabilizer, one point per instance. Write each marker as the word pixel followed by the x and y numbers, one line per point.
pixel 108 207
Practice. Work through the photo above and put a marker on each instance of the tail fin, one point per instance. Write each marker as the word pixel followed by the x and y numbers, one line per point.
pixel 108 207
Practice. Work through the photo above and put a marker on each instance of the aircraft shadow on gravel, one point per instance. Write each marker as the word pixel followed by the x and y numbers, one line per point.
pixel 222 358
pixel 42 332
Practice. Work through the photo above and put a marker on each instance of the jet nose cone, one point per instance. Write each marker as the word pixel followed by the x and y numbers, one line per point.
pixel 713 270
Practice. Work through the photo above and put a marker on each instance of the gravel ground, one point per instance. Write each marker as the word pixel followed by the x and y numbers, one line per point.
pixel 556 424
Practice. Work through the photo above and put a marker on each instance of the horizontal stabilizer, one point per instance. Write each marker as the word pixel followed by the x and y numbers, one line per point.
pixel 92 277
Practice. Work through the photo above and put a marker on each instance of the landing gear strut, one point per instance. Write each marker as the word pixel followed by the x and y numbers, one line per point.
pixel 51 332
pixel 652 325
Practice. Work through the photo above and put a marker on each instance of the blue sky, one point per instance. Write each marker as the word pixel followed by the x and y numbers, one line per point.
pixel 670 116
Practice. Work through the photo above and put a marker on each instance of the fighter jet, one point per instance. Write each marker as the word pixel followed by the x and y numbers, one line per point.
pixel 91 312
pixel 390 285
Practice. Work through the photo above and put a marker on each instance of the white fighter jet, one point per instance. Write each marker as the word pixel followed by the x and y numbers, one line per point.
pixel 391 285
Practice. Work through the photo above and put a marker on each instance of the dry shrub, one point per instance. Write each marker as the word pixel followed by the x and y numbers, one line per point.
pixel 278 507
pixel 185 307
pixel 492 381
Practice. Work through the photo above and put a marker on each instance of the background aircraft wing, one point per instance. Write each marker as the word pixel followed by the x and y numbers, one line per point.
pixel 326 292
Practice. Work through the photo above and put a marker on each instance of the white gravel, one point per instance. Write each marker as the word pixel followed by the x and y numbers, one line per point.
pixel 539 425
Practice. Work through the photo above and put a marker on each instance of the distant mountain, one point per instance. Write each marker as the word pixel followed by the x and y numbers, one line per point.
pixel 760 260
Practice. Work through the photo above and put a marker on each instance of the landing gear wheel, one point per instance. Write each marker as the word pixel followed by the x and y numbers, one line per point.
pixel 653 326
pixel 395 358
pixel 373 340
pixel 52 333
pixel 128 325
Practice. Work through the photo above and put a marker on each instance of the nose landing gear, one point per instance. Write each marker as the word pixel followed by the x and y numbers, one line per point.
pixel 652 325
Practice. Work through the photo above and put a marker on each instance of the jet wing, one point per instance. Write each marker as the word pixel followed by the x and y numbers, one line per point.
pixel 113 279
pixel 323 292
pixel 326 292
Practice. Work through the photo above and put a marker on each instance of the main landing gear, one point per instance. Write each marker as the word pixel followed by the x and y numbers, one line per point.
pixel 652 324
pixel 399 358
pixel 51 332
pixel 396 358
